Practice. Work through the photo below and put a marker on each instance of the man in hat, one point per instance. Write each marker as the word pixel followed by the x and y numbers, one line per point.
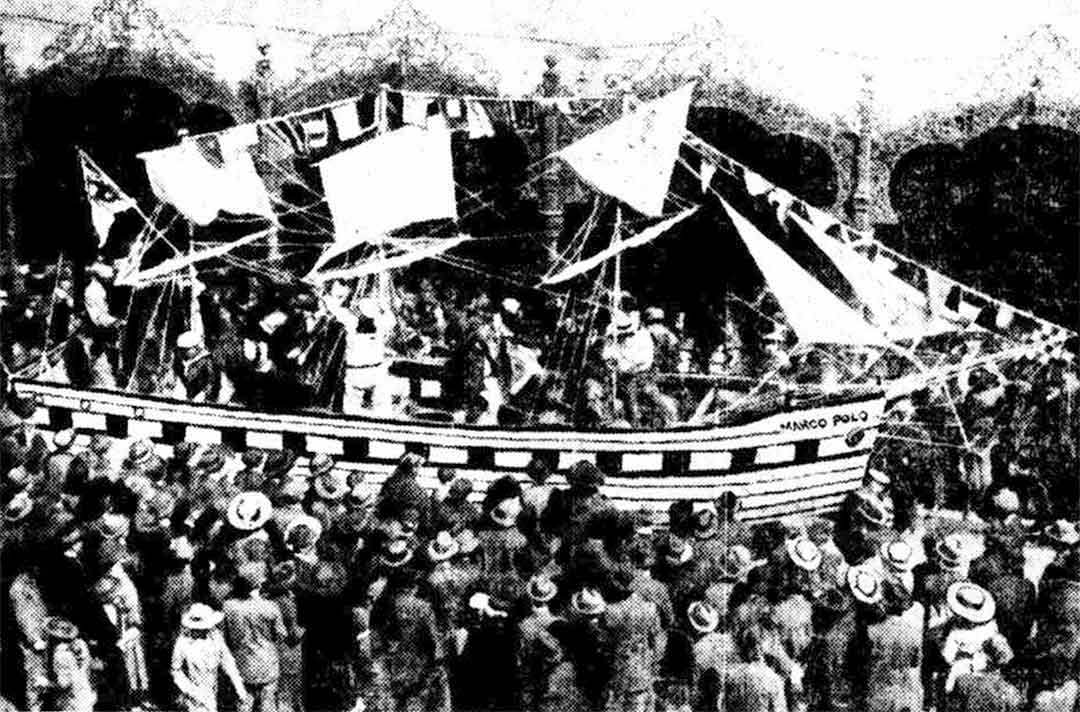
pixel 280 589
pixel 328 503
pixel 751 685
pixel 253 629
pixel 535 498
pixel 1000 570
pixel 570 511
pixel 630 356
pixel 447 585
pixel 198 375
pixel 67 673
pixel 636 645
pixel 588 644
pixel 713 651
pixel 104 327
pixel 831 652
pixel 402 492
pixel 1057 624
pixel 642 558
pixel 533 640
pixel 968 633
pixel 58 462
pixel 989 690
pixel 947 564
pixel 455 512
pixel 200 656
pixel 498 533
pixel 27 608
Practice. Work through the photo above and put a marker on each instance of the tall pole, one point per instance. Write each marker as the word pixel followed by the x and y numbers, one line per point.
pixel 9 272
pixel 550 184
pixel 861 191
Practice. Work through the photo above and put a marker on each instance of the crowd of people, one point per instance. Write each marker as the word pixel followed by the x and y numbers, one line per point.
pixel 141 577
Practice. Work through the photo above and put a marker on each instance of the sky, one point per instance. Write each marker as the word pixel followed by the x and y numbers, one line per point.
pixel 922 54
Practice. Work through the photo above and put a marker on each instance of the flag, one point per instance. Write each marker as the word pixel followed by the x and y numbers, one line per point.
pixel 182 176
pixel 812 311
pixel 393 180
pixel 105 198
pixel 632 158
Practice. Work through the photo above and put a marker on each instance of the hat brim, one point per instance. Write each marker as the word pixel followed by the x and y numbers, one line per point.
pixel 193 623
pixel 450 553
pixel 978 616
pixel 709 628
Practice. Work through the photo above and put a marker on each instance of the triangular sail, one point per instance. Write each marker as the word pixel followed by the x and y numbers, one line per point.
pixel 813 312
pixel 899 310
pixel 176 264
pixel 633 157
pixel 396 179
pixel 645 236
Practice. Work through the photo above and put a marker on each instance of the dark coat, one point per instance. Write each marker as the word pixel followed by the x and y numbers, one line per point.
pixel 636 644
pixel 893 663
pixel 984 692
pixel 829 659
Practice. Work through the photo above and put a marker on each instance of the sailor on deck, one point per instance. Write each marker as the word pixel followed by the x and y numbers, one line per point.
pixel 365 351
pixel 198 377
pixel 630 355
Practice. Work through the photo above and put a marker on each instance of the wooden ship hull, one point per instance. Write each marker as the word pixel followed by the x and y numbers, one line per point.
pixel 791 458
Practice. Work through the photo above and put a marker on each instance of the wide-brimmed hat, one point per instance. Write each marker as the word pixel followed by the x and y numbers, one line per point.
pixel 467 541
pixel 201 617
pixel 249 511
pixel 63 439
pixel 872 512
pixel 971 602
pixel 949 552
pixel 897 556
pixel 140 452
pixel 804 553
pixel 331 485
pixel 541 589
pixel 57 628
pixel 396 553
pixel 865 584
pixel 305 529
pixel 703 616
pixel 735 563
pixel 211 460
pixel 588 602
pixel 18 508
pixel 1062 532
pixel 112 526
pixel 442 547
pixel 584 473
pixel 705 525
pixel 320 463
pixel 677 551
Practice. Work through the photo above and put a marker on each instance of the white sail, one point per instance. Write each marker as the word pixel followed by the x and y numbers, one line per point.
pixel 632 158
pixel 376 265
pixel 900 310
pixel 645 236
pixel 813 312
pixel 181 175
pixel 393 180
pixel 175 264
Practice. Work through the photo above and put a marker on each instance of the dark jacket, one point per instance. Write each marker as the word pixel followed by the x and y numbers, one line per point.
pixel 984 692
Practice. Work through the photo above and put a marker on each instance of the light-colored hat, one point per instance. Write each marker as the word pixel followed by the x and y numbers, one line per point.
pixel 736 563
pixel 1006 501
pixel 57 628
pixel 442 547
pixel 293 489
pixel 506 512
pixel 1062 532
pixel 878 476
pixel 140 452
pixel 249 510
pixel 320 464
pixel 804 553
pixel 541 589
pixel 201 617
pixel 396 553
pixel 188 340
pixel 63 439
pixel 588 602
pixel 864 584
pixel 950 552
pixel 467 541
pixel 331 485
pixel 705 525
pixel 898 556
pixel 703 616
pixel 679 551
pixel 971 602
pixel 18 508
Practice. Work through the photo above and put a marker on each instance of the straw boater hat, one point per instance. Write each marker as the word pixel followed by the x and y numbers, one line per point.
pixel 443 547
pixel 249 511
pixel 588 602
pixel 971 602
pixel 320 464
pixel 541 589
pixel 140 453
pixel 864 584
pixel 872 512
pixel 18 508
pixel 897 556
pixel 735 563
pixel 63 439
pixel 804 553
pixel 201 617
pixel 1062 533
pixel 396 554
pixel 703 616
pixel 950 553
pixel 331 486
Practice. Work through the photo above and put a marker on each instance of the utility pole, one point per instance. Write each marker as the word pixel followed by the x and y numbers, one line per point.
pixel 10 279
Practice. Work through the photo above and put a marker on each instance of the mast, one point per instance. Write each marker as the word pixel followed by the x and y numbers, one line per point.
pixel 9 273
pixel 382 279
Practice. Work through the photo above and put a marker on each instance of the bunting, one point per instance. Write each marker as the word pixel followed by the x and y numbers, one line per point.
pixel 815 314
pixel 183 176
pixel 105 198
pixel 632 159
pixel 395 179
